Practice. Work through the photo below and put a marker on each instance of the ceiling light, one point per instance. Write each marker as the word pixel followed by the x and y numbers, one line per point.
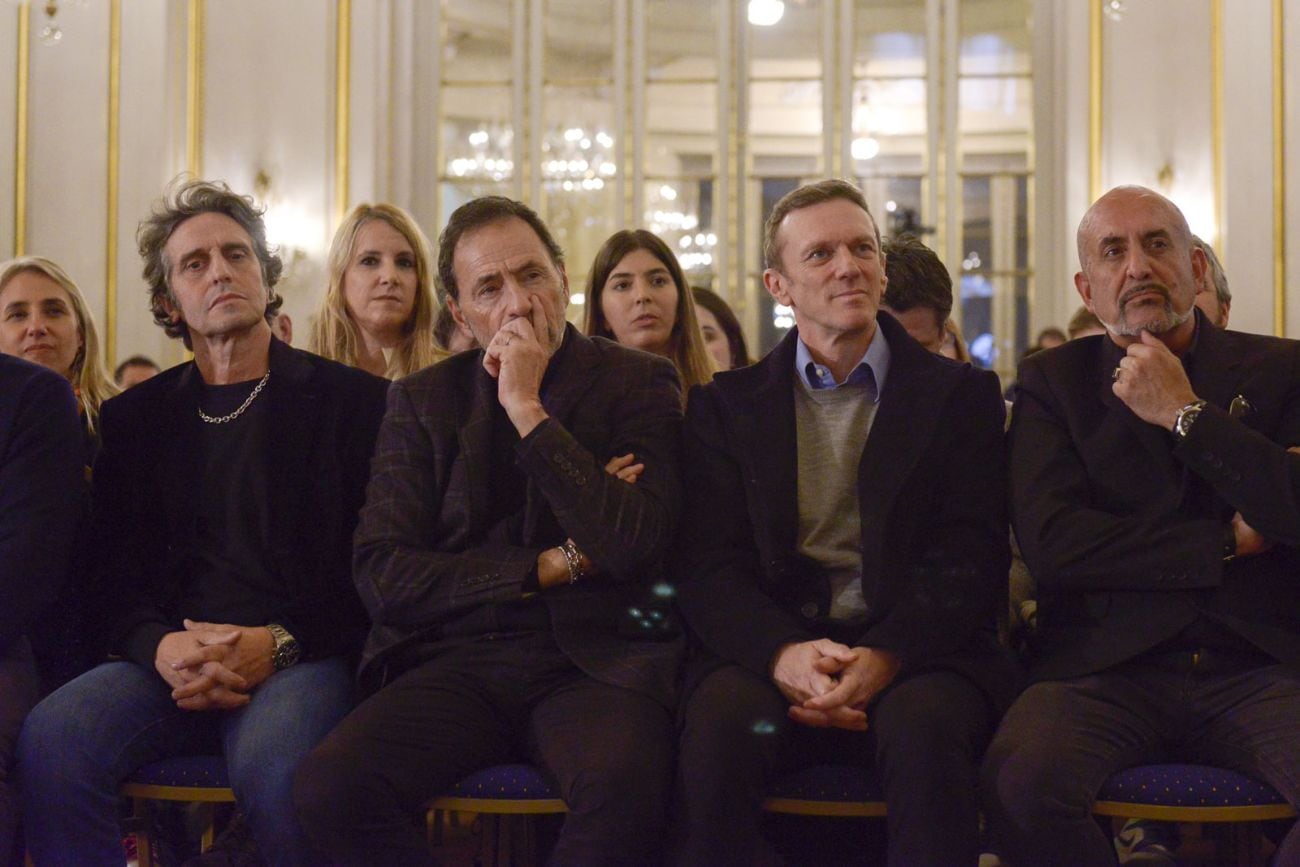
pixel 765 13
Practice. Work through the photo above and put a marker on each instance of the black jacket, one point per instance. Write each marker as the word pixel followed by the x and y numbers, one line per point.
pixel 1123 527
pixel 932 496
pixel 428 548
pixel 322 418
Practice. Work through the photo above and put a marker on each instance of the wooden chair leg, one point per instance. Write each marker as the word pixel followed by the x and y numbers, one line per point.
pixel 433 828
pixel 208 816
pixel 1247 845
pixel 144 853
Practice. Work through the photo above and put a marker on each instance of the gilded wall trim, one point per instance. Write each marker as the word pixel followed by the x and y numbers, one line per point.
pixel 1216 119
pixel 194 38
pixel 1094 100
pixel 1279 170
pixel 114 161
pixel 20 128
pixel 342 107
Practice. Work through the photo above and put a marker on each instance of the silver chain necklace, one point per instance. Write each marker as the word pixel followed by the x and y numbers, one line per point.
pixel 243 406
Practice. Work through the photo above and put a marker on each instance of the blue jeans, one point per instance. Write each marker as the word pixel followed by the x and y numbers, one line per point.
pixel 79 745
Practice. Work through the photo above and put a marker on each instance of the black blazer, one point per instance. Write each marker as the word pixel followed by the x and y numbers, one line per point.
pixel 42 490
pixel 1123 528
pixel 426 551
pixel 932 494
pixel 322 421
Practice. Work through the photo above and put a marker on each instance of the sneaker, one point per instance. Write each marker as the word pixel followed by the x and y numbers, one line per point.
pixel 1143 841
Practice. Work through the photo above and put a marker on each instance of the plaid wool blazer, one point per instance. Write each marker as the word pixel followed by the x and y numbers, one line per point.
pixel 423 556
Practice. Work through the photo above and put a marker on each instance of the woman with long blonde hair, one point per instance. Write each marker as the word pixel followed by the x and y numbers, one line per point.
pixel 637 296
pixel 44 319
pixel 378 310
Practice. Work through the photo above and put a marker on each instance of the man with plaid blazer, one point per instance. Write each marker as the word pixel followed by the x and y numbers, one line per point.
pixel 506 571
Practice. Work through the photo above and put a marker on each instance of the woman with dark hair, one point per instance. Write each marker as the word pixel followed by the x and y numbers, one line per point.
pixel 637 296
pixel 721 329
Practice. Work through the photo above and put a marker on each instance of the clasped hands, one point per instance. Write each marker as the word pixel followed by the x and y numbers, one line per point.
pixel 214 666
pixel 829 684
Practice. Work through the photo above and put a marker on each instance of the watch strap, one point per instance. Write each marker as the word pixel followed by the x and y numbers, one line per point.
pixel 1186 416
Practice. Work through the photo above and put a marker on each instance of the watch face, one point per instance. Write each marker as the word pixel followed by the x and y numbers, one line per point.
pixel 287 654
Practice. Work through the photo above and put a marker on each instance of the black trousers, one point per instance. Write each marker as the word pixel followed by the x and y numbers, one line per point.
pixel 361 793
pixel 925 736
pixel 1062 739
pixel 19 691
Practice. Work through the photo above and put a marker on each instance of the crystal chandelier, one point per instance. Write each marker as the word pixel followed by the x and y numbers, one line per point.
pixel 574 159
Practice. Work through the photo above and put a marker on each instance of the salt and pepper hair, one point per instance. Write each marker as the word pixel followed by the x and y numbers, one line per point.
pixel 1217 275
pixel 475 214
pixel 187 198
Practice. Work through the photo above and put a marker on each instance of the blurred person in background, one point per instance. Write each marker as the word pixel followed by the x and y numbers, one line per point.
pixel 449 335
pixel 1084 323
pixel 723 336
pixel 954 344
pixel 919 290
pixel 1213 296
pixel 135 370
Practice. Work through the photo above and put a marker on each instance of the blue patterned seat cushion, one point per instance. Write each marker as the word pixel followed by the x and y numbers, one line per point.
pixel 1187 786
pixel 510 782
pixel 829 783
pixel 201 772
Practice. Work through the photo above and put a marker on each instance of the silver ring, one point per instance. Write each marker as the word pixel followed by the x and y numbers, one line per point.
pixel 1114 375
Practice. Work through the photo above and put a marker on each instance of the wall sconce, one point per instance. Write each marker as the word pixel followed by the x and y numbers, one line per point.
pixel 290 230
pixel 51 33
pixel 1165 177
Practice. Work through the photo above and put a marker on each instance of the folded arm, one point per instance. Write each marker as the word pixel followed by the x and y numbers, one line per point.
pixel 1076 541
pixel 405 572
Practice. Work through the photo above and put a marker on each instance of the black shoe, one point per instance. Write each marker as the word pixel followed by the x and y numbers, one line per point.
pixel 234 847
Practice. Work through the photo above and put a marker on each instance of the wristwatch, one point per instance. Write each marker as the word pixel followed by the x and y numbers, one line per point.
pixel 1187 415
pixel 287 649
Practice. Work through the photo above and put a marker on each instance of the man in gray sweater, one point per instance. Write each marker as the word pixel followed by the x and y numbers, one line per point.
pixel 844 554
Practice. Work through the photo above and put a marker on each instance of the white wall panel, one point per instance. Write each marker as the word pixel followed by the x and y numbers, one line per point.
pixel 1291 89
pixel 67 148
pixel 1248 164
pixel 152 151
pixel 269 107
pixel 1157 105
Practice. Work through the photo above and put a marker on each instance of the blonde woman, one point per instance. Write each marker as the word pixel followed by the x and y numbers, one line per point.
pixel 378 311
pixel 44 319
pixel 637 296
